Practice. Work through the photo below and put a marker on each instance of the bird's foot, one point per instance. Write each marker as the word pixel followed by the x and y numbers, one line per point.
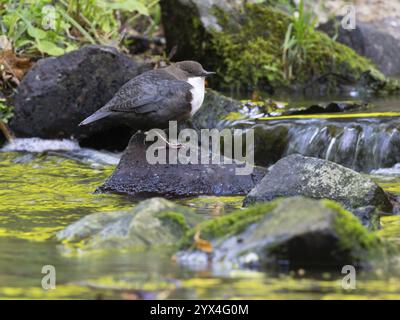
pixel 175 145
pixel 172 145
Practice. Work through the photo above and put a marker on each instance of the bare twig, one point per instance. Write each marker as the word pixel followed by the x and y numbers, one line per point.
pixel 172 53
pixel 6 131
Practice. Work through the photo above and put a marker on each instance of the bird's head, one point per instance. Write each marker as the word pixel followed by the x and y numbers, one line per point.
pixel 193 69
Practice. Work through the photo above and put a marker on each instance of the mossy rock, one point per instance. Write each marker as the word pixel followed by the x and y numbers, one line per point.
pixel 298 231
pixel 152 223
pixel 297 175
pixel 243 43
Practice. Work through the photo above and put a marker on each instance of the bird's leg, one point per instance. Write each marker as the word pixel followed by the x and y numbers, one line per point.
pixel 171 144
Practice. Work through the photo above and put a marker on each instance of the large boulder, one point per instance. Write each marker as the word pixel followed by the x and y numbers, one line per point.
pixel 242 41
pixel 293 232
pixel 59 92
pixel 135 176
pixel 377 40
pixel 316 178
pixel 152 223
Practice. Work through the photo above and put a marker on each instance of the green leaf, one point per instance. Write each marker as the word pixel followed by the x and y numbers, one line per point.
pixel 71 47
pixel 129 5
pixel 50 48
pixel 23 42
pixel 36 33
pixel 82 30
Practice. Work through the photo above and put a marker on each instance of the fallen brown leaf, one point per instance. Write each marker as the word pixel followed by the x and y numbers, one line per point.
pixel 202 245
pixel 5 131
pixel 12 67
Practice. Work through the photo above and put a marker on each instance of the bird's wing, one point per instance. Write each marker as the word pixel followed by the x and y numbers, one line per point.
pixel 145 96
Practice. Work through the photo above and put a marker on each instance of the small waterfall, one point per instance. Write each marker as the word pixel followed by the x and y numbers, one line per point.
pixel 64 148
pixel 364 145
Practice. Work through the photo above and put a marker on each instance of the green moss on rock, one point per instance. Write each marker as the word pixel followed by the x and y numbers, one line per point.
pixel 252 53
pixel 229 224
pixel 353 237
pixel 244 43
pixel 175 220
pixel 303 231
pixel 152 224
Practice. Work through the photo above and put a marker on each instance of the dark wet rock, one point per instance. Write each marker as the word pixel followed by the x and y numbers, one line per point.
pixel 152 223
pixel 316 178
pixel 376 40
pixel 292 233
pixel 140 44
pixel 59 92
pixel 270 143
pixel 134 175
pixel 331 107
pixel 242 41
pixel 2 139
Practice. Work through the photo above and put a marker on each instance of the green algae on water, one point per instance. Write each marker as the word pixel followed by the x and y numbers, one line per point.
pixel 43 195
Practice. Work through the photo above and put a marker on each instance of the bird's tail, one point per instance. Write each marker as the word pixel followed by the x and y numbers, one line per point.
pixel 94 117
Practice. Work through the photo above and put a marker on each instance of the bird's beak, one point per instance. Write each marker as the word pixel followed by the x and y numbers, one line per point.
pixel 208 73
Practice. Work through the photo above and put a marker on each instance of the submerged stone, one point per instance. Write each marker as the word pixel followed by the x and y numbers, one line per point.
pixel 152 223
pixel 135 176
pixel 295 231
pixel 316 178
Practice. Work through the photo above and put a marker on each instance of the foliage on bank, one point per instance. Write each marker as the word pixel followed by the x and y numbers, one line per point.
pixel 54 28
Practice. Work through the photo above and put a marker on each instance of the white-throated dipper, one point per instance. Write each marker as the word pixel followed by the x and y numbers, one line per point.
pixel 155 97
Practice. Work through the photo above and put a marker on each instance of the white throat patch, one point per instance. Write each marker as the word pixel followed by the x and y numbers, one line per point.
pixel 198 90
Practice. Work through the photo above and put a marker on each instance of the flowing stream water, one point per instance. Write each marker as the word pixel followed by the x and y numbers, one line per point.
pixel 51 185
